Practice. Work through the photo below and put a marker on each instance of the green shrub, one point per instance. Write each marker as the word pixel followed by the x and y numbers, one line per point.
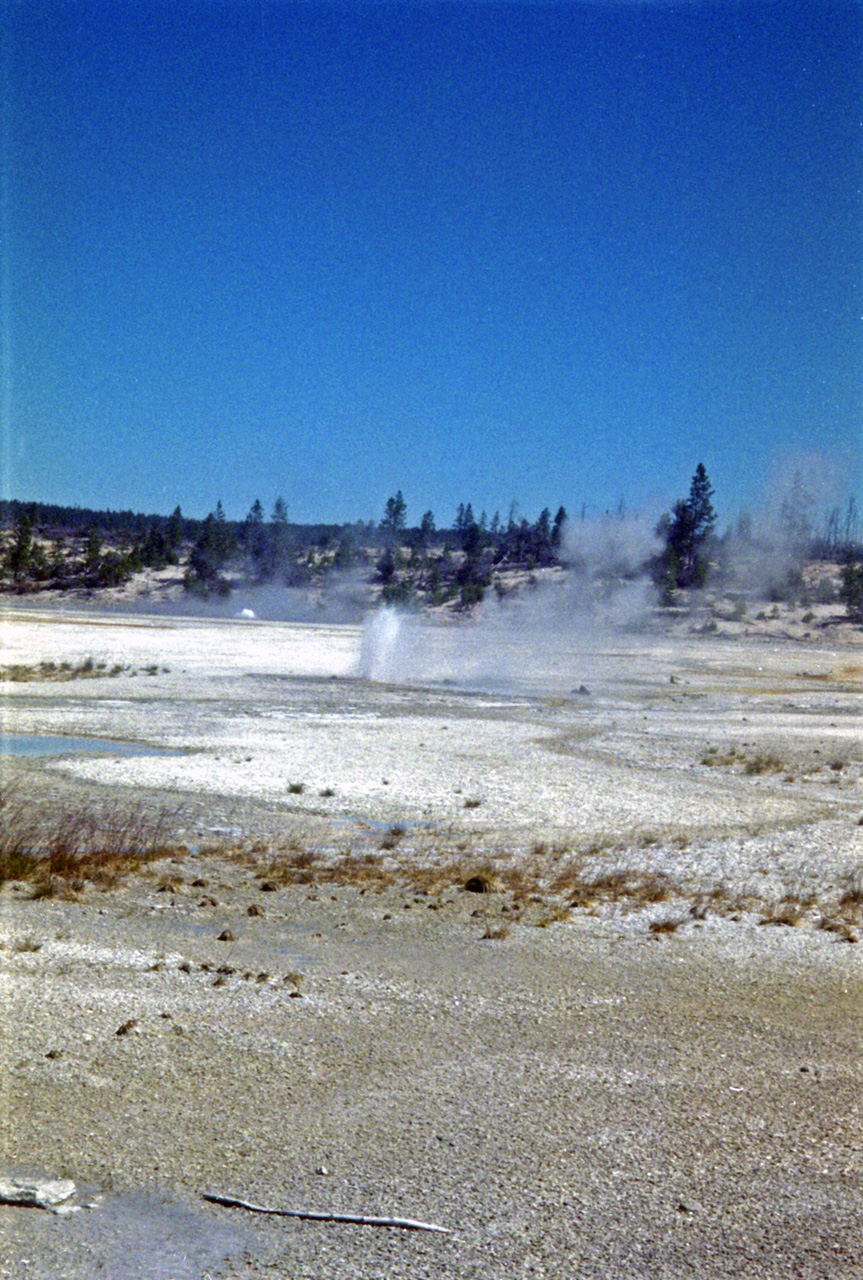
pixel 851 591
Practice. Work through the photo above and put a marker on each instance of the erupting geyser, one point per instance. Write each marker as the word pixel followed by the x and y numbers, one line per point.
pixel 379 647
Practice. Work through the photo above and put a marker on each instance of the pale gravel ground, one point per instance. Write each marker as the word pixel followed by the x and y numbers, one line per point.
pixel 586 1099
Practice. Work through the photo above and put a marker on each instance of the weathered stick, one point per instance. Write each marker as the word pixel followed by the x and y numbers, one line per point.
pixel 407 1224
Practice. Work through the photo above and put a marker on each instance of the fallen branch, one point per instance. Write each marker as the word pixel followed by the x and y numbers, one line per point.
pixel 407 1224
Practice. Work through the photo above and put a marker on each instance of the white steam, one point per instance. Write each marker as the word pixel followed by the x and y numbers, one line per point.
pixel 382 649
pixel 609 548
pixel 555 633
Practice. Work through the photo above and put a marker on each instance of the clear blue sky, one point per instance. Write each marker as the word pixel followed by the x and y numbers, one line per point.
pixel 484 252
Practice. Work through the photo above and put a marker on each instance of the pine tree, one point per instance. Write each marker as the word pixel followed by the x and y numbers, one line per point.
pixel 19 557
pixel 395 514
pixel 225 543
pixel 700 505
pixel 851 591
pixel 687 533
pixel 175 529
pixel 214 547
pixel 257 542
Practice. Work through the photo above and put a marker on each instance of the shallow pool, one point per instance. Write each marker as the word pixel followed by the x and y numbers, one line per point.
pixel 47 744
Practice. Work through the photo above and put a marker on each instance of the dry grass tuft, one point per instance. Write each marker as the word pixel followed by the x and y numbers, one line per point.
pixel 852 893
pixel 664 926
pixel 26 943
pixel 556 915
pixel 293 865
pixel 759 764
pixel 841 928
pixel 59 854
pixel 788 912
pixel 368 870
pixel 393 836
pixel 87 668
pixel 751 766
pixel 633 886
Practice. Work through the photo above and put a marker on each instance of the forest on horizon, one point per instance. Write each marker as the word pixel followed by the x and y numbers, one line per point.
pixel 50 547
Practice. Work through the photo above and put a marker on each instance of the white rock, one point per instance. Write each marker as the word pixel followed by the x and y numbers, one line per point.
pixel 48 1193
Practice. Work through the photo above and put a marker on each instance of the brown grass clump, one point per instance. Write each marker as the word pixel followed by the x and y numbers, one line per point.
pixel 393 836
pixel 752 766
pixel 628 886
pixel 19 837
pixel 635 886
pixel 852 894
pixel 714 760
pixel 368 870
pixel 87 668
pixel 764 764
pixel 553 853
pixel 496 933
pixel 305 866
pixel 21 945
pixel 583 896
pixel 293 865
pixel 371 870
pixel 556 915
pixel 664 926
pixel 61 853
pixel 842 928
pixel 787 912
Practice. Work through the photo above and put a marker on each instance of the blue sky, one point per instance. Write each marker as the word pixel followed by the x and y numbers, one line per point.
pixel 483 252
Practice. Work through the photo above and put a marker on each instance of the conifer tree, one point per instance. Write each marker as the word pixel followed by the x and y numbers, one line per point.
pixel 687 533
pixel 395 515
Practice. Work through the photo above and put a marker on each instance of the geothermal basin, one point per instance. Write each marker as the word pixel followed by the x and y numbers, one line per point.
pixel 558 947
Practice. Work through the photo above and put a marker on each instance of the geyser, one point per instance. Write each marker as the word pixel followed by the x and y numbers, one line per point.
pixel 380 644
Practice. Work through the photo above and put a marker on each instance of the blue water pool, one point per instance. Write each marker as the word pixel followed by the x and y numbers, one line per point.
pixel 47 744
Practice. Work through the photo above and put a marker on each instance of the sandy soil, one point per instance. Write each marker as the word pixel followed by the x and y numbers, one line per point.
pixel 578 1096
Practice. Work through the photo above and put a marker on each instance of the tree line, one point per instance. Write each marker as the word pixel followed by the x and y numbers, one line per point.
pixel 71 547
pixel 75 548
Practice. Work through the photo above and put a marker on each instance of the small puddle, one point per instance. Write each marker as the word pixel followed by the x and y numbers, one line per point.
pixel 46 744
